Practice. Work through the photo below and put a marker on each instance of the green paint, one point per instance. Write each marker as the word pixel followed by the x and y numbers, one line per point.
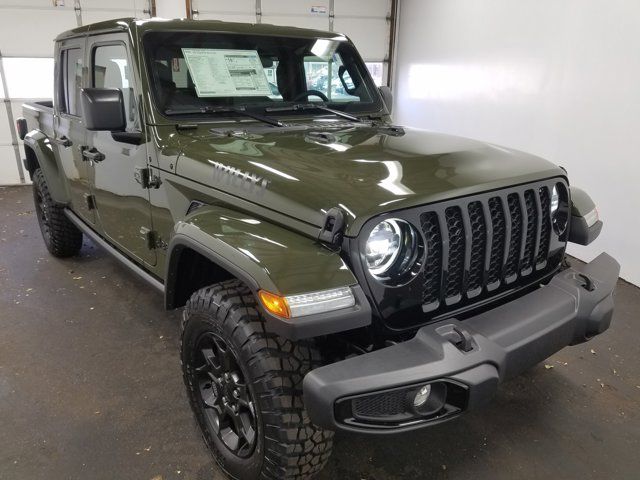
pixel 266 189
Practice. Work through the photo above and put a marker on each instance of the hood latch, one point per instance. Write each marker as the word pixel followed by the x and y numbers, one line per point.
pixel 333 229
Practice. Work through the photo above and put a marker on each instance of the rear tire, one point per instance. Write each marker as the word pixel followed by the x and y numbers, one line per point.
pixel 221 326
pixel 62 238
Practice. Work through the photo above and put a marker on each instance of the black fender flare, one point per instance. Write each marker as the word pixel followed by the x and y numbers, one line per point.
pixel 39 152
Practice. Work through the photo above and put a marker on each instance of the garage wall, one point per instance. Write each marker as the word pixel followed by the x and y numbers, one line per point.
pixel 27 31
pixel 557 78
pixel 366 22
pixel 171 8
pixel 28 27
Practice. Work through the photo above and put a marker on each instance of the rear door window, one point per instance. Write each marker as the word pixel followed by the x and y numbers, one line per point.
pixel 71 80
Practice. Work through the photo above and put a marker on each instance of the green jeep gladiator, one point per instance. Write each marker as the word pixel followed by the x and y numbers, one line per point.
pixel 337 272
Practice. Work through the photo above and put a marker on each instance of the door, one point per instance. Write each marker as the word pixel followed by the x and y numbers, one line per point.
pixel 123 208
pixel 70 134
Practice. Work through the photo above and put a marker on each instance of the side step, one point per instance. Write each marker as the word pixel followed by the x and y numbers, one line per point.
pixel 140 272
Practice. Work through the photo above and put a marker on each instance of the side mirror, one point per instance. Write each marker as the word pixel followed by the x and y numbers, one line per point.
pixel 387 97
pixel 103 109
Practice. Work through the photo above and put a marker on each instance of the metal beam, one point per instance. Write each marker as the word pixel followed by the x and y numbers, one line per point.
pixel 393 33
pixel 190 10
pixel 151 10
pixel 78 9
pixel 332 14
pixel 12 127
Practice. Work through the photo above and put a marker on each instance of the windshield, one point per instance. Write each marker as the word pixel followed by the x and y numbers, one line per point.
pixel 193 73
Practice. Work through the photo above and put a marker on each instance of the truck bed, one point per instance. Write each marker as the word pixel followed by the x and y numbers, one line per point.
pixel 39 116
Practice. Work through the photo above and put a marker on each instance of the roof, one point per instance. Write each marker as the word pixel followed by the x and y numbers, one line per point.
pixel 143 25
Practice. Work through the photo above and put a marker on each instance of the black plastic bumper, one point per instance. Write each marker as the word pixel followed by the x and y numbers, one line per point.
pixel 576 305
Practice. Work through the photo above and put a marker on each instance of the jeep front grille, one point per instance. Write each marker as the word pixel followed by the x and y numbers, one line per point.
pixel 487 243
pixel 478 248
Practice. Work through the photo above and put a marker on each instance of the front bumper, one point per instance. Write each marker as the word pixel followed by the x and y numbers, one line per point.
pixel 470 357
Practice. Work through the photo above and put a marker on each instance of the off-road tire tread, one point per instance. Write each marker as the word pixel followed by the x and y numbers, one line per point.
pixel 294 448
pixel 65 238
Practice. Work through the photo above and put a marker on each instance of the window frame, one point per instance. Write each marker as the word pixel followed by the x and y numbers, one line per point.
pixel 131 124
pixel 92 59
pixel 377 103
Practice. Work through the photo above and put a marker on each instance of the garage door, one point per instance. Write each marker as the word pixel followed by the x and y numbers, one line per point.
pixel 366 22
pixel 27 30
pixel 26 66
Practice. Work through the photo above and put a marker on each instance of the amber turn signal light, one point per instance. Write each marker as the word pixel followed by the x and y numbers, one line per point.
pixel 275 304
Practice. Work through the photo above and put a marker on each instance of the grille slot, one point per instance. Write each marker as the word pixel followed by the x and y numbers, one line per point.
pixel 532 225
pixel 545 228
pixel 478 246
pixel 515 213
pixel 484 244
pixel 432 269
pixel 499 238
pixel 455 270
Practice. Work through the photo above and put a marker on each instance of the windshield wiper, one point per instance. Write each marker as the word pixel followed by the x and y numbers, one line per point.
pixel 313 106
pixel 214 110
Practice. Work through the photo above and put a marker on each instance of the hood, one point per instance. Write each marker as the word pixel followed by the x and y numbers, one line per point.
pixel 303 172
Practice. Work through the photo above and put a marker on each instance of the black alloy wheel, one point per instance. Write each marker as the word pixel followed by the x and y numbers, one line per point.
pixel 226 399
pixel 244 385
pixel 43 216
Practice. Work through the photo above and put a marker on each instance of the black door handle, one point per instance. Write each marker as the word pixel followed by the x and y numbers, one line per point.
pixel 92 154
pixel 64 141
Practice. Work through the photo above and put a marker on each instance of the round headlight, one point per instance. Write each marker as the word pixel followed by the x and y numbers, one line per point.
pixel 392 249
pixel 559 208
pixel 383 246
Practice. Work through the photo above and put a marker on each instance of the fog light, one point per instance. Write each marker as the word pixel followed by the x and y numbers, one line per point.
pixel 422 396
pixel 428 400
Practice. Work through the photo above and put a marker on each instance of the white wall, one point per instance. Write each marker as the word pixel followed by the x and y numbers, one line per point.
pixel 28 64
pixel 557 78
pixel 171 8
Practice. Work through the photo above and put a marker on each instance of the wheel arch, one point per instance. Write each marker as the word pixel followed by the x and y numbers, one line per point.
pixel 215 244
pixel 192 266
pixel 39 154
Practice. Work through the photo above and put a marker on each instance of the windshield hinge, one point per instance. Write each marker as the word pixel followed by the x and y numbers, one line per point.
pixel 152 239
pixel 333 228
pixel 145 177
pixel 90 201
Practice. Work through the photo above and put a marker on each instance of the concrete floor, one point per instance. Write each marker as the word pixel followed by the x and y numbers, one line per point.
pixel 90 388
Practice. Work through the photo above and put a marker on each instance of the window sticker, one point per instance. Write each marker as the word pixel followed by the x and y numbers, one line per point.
pixel 226 73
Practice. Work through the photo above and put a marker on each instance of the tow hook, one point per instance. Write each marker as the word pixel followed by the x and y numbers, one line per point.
pixel 588 283
pixel 457 336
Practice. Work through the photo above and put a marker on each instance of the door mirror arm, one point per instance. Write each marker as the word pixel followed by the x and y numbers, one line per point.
pixel 131 138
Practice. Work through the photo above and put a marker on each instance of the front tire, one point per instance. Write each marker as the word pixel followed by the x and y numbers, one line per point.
pixel 62 238
pixel 245 388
